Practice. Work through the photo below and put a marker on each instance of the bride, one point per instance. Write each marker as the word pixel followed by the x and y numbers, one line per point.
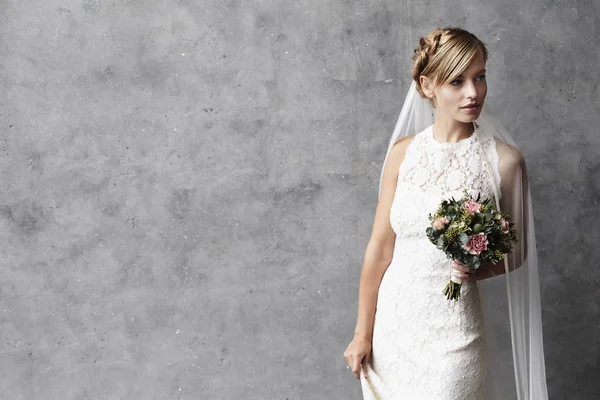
pixel 410 342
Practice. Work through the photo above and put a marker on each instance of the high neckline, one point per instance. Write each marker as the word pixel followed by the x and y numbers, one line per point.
pixel 461 142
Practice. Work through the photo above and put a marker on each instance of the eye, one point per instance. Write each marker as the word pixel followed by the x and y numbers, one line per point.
pixel 456 82
pixel 481 78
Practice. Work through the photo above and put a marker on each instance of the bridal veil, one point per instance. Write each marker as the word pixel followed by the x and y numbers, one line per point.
pixel 510 301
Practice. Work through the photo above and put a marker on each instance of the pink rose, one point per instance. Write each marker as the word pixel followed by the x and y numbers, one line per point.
pixel 477 243
pixel 439 222
pixel 504 226
pixel 471 207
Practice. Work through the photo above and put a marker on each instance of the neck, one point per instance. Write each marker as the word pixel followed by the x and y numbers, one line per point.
pixel 450 130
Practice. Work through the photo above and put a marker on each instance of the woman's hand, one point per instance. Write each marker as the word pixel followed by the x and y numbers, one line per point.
pixel 357 355
pixel 462 272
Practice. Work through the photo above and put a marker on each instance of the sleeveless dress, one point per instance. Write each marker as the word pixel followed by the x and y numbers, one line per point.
pixel 426 347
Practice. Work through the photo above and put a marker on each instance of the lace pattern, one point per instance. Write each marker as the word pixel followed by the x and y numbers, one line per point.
pixel 432 171
pixel 425 347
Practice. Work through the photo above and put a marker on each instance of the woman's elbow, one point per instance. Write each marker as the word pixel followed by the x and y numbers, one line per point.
pixel 380 251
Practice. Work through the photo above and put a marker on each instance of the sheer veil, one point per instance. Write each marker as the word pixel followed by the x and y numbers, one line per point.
pixel 511 301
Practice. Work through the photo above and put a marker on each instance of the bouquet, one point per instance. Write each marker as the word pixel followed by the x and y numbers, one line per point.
pixel 471 231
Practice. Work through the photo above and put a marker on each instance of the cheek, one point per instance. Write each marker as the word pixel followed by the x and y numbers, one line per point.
pixel 449 99
pixel 483 90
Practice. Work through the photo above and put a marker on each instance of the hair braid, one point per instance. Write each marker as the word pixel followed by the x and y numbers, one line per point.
pixel 443 50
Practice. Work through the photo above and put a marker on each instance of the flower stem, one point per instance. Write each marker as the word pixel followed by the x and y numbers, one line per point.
pixel 452 291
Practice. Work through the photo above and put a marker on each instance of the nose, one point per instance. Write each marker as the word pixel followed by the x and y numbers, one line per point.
pixel 470 91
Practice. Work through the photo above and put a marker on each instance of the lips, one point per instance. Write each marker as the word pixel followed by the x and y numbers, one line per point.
pixel 472 108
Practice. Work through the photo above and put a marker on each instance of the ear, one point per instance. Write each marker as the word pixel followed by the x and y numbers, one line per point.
pixel 427 86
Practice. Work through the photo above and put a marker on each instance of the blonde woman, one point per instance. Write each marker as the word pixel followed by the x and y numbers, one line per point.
pixel 410 342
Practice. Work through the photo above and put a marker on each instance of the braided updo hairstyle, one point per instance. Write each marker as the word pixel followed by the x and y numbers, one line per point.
pixel 443 54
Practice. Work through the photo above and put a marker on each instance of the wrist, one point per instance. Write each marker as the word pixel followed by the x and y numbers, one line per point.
pixel 359 334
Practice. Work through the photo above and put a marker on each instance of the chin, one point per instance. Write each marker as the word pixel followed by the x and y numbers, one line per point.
pixel 469 118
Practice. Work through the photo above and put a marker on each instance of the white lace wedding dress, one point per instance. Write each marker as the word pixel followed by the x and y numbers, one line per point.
pixel 424 346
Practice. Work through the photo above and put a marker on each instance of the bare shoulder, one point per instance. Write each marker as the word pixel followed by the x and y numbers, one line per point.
pixel 510 157
pixel 391 168
pixel 398 150
pixel 403 143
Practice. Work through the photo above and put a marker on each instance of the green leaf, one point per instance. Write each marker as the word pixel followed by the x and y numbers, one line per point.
pixel 463 238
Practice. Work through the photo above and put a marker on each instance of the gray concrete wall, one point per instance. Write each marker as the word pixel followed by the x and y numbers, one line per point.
pixel 188 187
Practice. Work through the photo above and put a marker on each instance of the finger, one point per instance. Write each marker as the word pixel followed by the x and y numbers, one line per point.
pixel 460 267
pixel 463 276
pixel 349 359
pixel 365 363
pixel 356 367
pixel 461 270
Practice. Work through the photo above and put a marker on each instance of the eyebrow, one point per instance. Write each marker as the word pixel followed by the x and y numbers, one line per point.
pixel 480 72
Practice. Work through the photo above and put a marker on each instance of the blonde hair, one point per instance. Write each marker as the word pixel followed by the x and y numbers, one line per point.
pixel 443 54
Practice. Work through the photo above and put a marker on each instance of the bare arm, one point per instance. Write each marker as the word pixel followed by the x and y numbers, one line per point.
pixel 379 250
pixel 514 181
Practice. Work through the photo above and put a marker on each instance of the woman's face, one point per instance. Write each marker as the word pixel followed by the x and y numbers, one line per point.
pixel 454 99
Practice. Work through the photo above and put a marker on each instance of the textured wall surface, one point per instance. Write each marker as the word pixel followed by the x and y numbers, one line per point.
pixel 187 187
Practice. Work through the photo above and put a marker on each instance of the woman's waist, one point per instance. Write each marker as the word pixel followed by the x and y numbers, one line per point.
pixel 415 243
pixel 419 256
